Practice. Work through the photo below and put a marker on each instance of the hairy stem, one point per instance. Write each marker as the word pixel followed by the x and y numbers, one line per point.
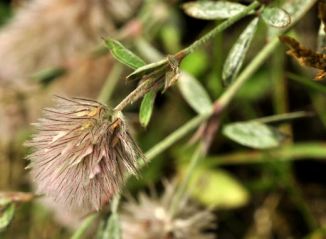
pixel 143 88
pixel 227 23
pixel 136 94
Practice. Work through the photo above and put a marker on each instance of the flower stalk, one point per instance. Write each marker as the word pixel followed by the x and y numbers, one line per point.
pixel 182 189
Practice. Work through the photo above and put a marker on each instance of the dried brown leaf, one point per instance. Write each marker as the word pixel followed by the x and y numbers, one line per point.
pixel 305 56
pixel 17 196
pixel 320 75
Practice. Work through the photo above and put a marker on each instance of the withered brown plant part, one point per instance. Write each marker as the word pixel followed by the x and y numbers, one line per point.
pixel 81 153
pixel 150 218
pixel 306 57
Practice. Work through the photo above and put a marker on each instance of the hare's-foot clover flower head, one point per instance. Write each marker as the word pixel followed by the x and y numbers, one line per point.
pixel 81 153
pixel 150 218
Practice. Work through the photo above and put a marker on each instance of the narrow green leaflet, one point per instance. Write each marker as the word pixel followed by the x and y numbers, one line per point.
pixel 253 134
pixel 146 108
pixel 124 55
pixel 238 52
pixel 146 69
pixel 194 93
pixel 7 211
pixel 276 17
pixel 217 188
pixel 211 10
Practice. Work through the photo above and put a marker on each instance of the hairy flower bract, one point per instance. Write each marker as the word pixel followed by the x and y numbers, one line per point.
pixel 81 153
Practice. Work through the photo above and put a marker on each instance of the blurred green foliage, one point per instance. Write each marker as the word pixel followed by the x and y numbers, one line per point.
pixel 244 186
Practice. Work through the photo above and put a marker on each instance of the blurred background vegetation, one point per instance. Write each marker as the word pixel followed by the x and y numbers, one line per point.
pixel 272 193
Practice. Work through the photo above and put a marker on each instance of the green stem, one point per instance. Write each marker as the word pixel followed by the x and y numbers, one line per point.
pixel 225 99
pixel 318 87
pixel 176 135
pixel 143 88
pixel 299 151
pixel 284 117
pixel 197 155
pixel 110 83
pixel 280 97
pixel 281 107
pixel 298 199
pixel 84 226
pixel 227 23
pixel 139 92
pixel 222 102
pixel 297 11
pixel 115 203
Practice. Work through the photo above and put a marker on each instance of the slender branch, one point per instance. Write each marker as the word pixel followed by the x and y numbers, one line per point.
pixel 284 117
pixel 84 226
pixel 299 151
pixel 176 135
pixel 136 94
pixel 225 99
pixel 143 88
pixel 227 23
pixel 308 83
pixel 197 155
pixel 296 11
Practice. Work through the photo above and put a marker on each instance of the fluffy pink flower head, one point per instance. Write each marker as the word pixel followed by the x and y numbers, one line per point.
pixel 81 153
